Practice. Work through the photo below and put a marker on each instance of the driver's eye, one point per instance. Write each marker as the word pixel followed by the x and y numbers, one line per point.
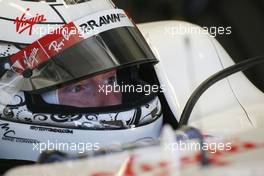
pixel 76 89
pixel 110 80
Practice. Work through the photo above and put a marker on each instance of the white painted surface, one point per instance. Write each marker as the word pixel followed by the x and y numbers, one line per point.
pixel 186 60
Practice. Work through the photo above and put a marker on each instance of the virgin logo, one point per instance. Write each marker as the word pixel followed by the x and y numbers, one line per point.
pixel 31 60
pixel 23 23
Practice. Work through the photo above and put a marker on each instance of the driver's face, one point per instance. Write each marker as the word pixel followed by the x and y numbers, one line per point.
pixel 86 93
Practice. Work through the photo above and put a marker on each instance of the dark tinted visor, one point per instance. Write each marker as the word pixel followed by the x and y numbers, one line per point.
pixel 112 49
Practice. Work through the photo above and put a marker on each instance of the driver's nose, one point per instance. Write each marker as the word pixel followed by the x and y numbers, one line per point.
pixel 109 99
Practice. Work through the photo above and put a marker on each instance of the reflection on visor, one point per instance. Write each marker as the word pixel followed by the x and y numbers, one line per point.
pixel 86 93
pixel 113 49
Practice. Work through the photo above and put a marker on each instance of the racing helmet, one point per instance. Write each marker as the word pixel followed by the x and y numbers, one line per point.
pixel 73 74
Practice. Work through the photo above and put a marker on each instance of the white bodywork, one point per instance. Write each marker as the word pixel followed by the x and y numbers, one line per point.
pixel 186 60
pixel 244 157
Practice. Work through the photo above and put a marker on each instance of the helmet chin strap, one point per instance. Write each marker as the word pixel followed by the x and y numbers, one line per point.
pixel 51 97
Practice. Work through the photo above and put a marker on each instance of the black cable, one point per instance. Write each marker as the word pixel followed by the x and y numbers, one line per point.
pixel 242 66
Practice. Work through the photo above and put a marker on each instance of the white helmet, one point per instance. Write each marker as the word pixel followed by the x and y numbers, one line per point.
pixel 50 52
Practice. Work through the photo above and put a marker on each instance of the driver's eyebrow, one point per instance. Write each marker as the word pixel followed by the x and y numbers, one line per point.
pixel 109 74
pixel 88 80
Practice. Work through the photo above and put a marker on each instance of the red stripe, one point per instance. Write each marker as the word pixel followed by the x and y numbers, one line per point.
pixel 45 48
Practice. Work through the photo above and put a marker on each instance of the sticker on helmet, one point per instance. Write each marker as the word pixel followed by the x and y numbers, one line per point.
pixel 23 23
